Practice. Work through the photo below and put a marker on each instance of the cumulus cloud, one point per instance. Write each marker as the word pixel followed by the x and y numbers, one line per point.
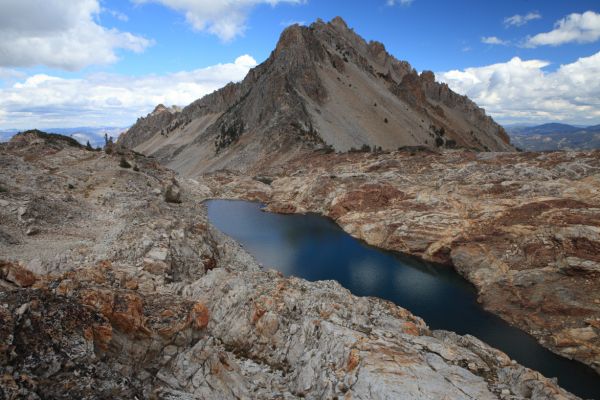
pixel 523 91
pixel 59 34
pixel 494 40
pixel 578 28
pixel 520 20
pixel 401 2
pixel 225 19
pixel 107 99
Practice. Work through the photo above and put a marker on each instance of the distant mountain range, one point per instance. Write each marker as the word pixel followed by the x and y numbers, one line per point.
pixel 554 136
pixel 95 135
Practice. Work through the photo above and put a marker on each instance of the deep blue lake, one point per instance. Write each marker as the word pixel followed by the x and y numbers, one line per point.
pixel 314 248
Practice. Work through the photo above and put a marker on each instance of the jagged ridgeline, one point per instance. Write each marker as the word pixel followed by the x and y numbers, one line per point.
pixel 322 87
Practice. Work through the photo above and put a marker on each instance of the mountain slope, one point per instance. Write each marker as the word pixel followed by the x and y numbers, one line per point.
pixel 323 85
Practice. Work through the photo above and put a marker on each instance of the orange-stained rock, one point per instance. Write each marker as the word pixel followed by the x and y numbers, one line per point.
pixel 257 313
pixel 200 315
pixel 369 197
pixel 353 360
pixel 128 313
pixel 411 328
pixel 17 274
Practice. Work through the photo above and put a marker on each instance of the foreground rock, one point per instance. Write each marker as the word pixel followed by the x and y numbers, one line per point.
pixel 123 295
pixel 523 228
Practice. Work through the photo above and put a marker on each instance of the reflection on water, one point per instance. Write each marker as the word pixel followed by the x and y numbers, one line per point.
pixel 314 248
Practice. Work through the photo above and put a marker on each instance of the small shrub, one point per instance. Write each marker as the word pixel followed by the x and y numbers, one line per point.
pixel 3 189
pixel 385 120
pixel 173 193
pixel 264 179
pixel 136 168
pixel 123 163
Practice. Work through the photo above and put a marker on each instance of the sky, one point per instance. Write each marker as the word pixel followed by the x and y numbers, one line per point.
pixel 97 63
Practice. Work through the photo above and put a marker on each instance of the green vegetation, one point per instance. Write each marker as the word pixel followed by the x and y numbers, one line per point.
pixel 123 163
pixel 365 148
pixel 329 149
pixel 229 135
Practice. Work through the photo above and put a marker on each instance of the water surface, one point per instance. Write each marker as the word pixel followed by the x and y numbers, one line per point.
pixel 315 248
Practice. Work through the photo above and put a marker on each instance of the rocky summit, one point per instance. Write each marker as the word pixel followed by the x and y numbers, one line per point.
pixel 113 284
pixel 322 87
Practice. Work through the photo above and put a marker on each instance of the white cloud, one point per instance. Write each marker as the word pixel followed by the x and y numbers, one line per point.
pixel 401 2
pixel 520 20
pixel 292 22
pixel 579 28
pixel 522 91
pixel 116 14
pixel 224 18
pixel 108 99
pixel 494 40
pixel 59 34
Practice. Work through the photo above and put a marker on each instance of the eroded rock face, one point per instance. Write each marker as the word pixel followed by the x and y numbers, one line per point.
pixel 124 295
pixel 523 228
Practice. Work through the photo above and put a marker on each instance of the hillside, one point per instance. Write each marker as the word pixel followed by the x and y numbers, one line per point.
pixel 322 86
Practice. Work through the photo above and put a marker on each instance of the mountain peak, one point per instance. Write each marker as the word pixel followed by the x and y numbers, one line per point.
pixel 322 86
pixel 159 108
pixel 339 22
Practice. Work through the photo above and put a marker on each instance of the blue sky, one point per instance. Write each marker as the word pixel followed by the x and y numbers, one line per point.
pixel 67 63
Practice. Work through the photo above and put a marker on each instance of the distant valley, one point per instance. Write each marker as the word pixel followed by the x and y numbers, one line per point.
pixel 549 137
